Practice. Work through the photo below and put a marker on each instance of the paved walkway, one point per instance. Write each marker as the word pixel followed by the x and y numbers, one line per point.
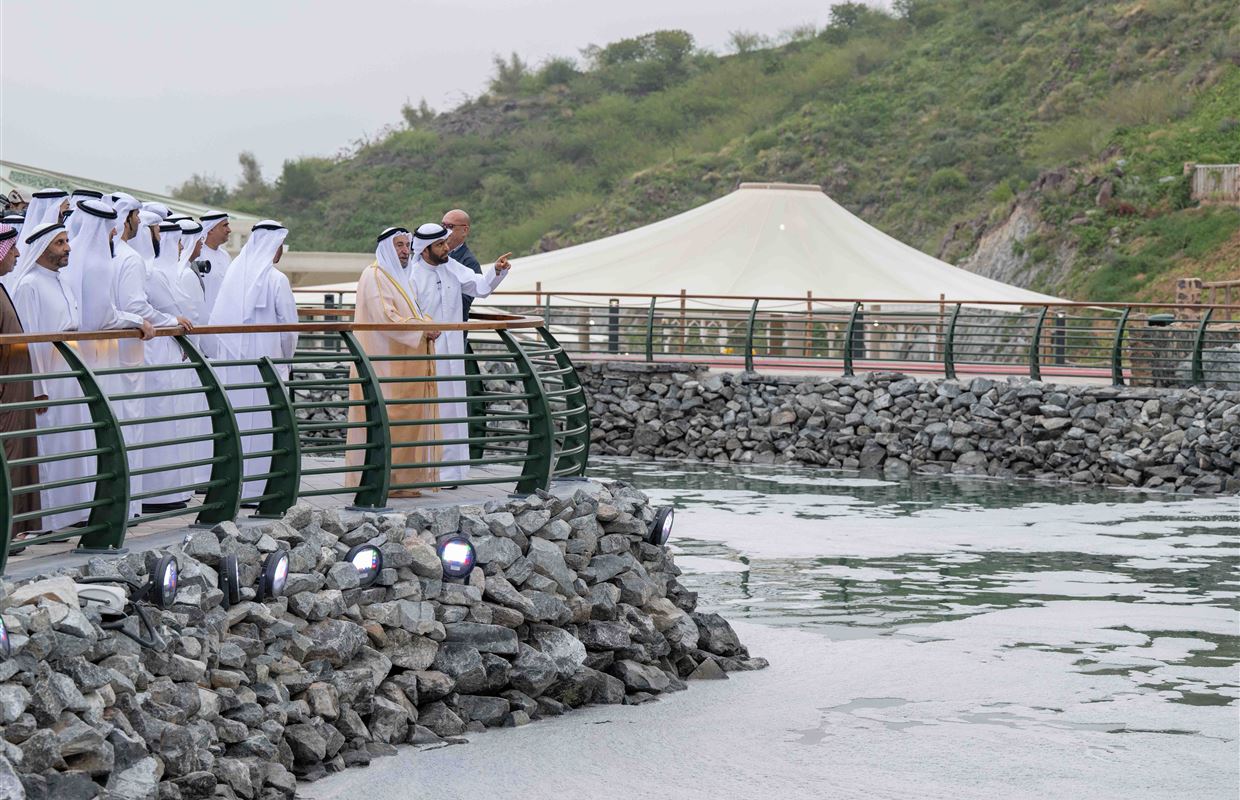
pixel 47 558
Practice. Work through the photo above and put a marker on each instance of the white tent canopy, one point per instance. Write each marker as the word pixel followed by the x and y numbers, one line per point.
pixel 764 239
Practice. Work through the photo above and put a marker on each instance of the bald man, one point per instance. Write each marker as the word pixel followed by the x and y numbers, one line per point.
pixel 457 223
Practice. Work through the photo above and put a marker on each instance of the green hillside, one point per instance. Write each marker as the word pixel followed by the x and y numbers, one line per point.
pixel 941 124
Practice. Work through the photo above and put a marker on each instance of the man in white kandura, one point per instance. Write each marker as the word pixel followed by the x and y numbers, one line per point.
pixel 46 205
pixel 74 219
pixel 191 299
pixel 163 290
pixel 254 292
pixel 47 305
pixel 143 243
pixel 129 295
pixel 438 283
pixel 215 232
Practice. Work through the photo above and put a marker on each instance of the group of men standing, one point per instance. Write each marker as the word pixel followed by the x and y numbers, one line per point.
pixel 89 262
pixel 421 276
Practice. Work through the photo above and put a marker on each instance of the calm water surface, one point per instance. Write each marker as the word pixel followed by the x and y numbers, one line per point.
pixel 1133 584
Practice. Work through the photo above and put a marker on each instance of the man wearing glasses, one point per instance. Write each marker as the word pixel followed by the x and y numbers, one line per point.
pixel 457 223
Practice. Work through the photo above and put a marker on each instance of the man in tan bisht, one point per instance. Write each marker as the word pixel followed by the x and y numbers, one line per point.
pixel 15 360
pixel 385 295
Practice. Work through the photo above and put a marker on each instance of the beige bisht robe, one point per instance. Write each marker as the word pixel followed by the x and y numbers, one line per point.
pixel 380 299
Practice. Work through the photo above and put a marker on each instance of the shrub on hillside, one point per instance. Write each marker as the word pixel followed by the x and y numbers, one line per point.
pixel 948 179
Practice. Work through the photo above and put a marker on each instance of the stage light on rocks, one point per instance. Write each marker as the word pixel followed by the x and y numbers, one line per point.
pixel 230 580
pixel 661 528
pixel 457 555
pixel 274 576
pixel 368 561
pixel 162 590
pixel 105 594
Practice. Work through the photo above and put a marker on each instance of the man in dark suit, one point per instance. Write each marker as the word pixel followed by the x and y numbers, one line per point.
pixel 457 223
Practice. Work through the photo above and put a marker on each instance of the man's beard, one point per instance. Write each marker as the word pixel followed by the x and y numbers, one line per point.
pixel 430 258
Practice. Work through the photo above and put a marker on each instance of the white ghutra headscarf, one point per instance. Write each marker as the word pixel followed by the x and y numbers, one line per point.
pixel 245 286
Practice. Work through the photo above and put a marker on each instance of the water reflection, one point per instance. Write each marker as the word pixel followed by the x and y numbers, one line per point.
pixel 1127 584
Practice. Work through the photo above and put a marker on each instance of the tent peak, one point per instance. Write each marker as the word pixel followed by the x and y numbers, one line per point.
pixel 802 187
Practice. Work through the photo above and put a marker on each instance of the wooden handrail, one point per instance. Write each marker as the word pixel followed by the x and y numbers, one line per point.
pixel 866 301
pixel 494 322
pixel 801 299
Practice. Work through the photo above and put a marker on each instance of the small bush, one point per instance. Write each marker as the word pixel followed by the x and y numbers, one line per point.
pixel 1072 140
pixel 948 179
pixel 1145 104
pixel 1002 193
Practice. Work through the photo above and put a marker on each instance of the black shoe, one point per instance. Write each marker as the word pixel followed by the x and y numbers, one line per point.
pixel 450 488
pixel 159 508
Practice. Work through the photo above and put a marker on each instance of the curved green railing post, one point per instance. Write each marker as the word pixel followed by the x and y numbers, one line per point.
pixel 476 408
pixel 1117 350
pixel 6 509
pixel 1035 347
pixel 373 482
pixel 753 316
pixel 537 472
pixel 286 464
pixel 578 418
pixel 650 331
pixel 114 514
pixel 850 333
pixel 1198 370
pixel 223 499
pixel 949 346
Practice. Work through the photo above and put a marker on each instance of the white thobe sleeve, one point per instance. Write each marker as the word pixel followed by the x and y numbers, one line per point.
pixel 188 292
pixel 472 283
pixel 286 314
pixel 114 320
pixel 98 313
pixel 131 287
pixel 26 301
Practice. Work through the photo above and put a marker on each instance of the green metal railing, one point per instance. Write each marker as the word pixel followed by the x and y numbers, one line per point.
pixel 332 419
pixel 1137 344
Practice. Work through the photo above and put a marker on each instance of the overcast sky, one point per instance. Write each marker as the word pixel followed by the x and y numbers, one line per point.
pixel 145 93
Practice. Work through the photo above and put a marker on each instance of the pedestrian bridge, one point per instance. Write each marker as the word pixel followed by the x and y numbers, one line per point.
pixel 525 415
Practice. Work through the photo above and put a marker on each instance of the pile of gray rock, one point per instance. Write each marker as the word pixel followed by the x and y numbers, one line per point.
pixel 313 395
pixel 569 605
pixel 1220 367
pixel 1184 440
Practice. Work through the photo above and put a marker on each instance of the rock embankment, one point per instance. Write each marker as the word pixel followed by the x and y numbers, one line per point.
pixel 568 605
pixel 1184 440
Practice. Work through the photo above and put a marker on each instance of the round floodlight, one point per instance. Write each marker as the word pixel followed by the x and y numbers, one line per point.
pixel 6 647
pixel 275 575
pixel 368 562
pixel 164 582
pixel 457 555
pixel 230 580
pixel 661 528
